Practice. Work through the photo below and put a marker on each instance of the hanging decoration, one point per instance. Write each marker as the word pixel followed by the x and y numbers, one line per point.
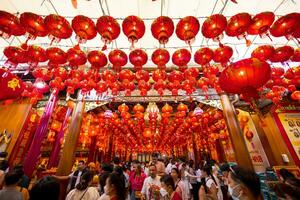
pixel 159 76
pixel 261 24
pixel 84 28
pixel 282 54
pixel 138 58
pixel 35 55
pixel 222 55
pixel 56 56
pixel 10 25
pixel 264 52
pixel 181 58
pixel 162 29
pixel 187 29
pixel 15 56
pixel 76 57
pixel 160 57
pixel 203 56
pixel 134 29
pixel 126 77
pixel 118 59
pixel 11 86
pixel 175 78
pixel 97 59
pixel 109 29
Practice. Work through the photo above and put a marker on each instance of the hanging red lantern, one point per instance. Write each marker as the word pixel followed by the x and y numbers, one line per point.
pixel 181 58
pixel 118 59
pixel 115 87
pixel 58 27
pixel 76 56
pixel 109 76
pixel 187 29
pixel 261 23
pixel 128 87
pixel 138 58
pixel 162 29
pixel 282 54
pixel 134 28
pixel 214 26
pixel 138 108
pixel 84 28
pixel 71 85
pixel 296 56
pixel 189 86
pixel 144 87
pixel 247 75
pixel 10 25
pixel 203 56
pixel 34 25
pixel 160 57
pixel 108 28
pixel 191 73
pixel 126 74
pixel 63 73
pixel 296 95
pixel 238 25
pixel 223 54
pixel 56 56
pixel 175 78
pixel 285 26
pixel 36 54
pixel 160 86
pixel 101 87
pixel 97 59
pixel 263 52
pixel 142 75
pixel 167 108
pixel 159 75
pixel 15 55
pixel 277 72
pixel 42 73
pixel 182 107
pixel 57 84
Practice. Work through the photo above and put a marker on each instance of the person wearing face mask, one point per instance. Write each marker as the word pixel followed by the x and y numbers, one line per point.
pixel 151 184
pixel 244 184
pixel 167 190
pixel 209 188
pixel 115 187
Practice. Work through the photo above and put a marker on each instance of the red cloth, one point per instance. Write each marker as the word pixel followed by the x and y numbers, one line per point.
pixel 137 181
pixel 176 196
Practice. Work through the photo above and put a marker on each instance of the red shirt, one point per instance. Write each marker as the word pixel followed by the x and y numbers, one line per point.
pixel 137 181
pixel 176 196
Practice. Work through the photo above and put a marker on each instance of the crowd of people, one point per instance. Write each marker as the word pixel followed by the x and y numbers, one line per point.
pixel 154 180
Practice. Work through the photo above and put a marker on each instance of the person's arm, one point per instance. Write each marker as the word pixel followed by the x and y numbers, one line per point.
pixel 61 178
pixel 190 175
pixel 144 190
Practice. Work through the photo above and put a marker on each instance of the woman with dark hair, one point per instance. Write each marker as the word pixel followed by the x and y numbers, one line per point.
pixel 244 184
pixel 136 181
pixel 115 187
pixel 180 187
pixel 285 191
pixel 167 190
pixel 46 188
pixel 209 186
pixel 83 190
pixel 289 178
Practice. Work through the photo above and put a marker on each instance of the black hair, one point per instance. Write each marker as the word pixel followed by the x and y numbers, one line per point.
pixel 118 169
pixel 119 184
pixel 177 171
pixel 3 154
pixel 282 189
pixel 208 169
pixel 191 163
pixel 107 167
pixel 81 161
pixel 46 188
pixel 225 167
pixel 155 155
pixel 285 174
pixel 3 165
pixel 248 178
pixel 102 180
pixel 85 180
pixel 168 180
pixel 11 178
pixel 116 160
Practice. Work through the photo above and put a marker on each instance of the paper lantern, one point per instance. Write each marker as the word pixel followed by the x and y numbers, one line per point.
pixel 187 29
pixel 261 23
pixel 126 74
pixel 36 54
pixel 296 95
pixel 42 73
pixel 203 56
pixel 214 26
pixel 162 29
pixel 296 56
pixel 97 59
pixel 15 55
pixel 34 25
pixel 56 56
pixel 142 75
pixel 10 25
pixel 84 28
pixel 238 25
pixel 108 28
pixel 159 75
pixel 138 58
pixel 118 59
pixel 138 108
pixel 263 52
pixel 76 56
pixel 134 28
pixel 285 25
pixel 109 76
pixel 181 58
pixel 282 54
pixel 223 54
pixel 160 57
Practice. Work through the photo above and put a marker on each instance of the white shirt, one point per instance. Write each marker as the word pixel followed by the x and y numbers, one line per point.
pixel 90 194
pixel 198 174
pixel 169 168
pixel 147 184
pixel 209 182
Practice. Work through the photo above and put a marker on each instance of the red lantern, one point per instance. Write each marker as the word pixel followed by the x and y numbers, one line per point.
pixel 159 75
pixel 63 73
pixel 57 84
pixel 10 25
pixel 187 29
pixel 15 55
pixel 159 86
pixel 11 86
pixel 42 73
pixel 58 27
pixel 34 25
pixel 296 56
pixel 245 76
pixel 160 57
pixel 76 56
pixel 261 23
pixel 203 56
pixel 182 108
pixel 223 54
pixel 138 58
pixel 84 28
pixel 71 85
pixel 128 86
pixel 108 28
pixel 285 25
pixel 56 56
pixel 191 73
pixel 189 86
pixel 36 54
pixel 97 59
pixel 181 58
pixel 118 59
pixel 214 26
pixel 134 28
pixel 238 25
pixel 101 87
pixel 143 86
pixel 282 54
pixel 115 87
pixel 142 75
pixel 263 52
pixel 277 72
pixel 162 29
pixel 175 78
pixel 126 74
pixel 109 76
pixel 296 95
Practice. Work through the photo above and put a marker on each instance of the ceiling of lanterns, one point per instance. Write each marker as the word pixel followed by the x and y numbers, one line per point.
pixel 148 10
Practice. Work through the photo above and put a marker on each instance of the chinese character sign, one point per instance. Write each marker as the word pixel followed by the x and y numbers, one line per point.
pixel 11 87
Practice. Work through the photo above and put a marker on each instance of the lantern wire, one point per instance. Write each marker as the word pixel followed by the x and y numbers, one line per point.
pixel 101 6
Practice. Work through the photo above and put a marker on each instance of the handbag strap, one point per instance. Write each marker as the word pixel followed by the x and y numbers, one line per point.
pixel 83 193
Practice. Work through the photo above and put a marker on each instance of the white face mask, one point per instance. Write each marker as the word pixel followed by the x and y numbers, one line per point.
pixel 233 194
pixel 163 192
pixel 106 190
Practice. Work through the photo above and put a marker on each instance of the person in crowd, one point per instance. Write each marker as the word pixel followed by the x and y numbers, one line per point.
pixel 115 187
pixel 146 168
pixel 170 166
pixel 289 178
pixel 244 184
pixel 106 169
pixel 116 162
pixel 18 170
pixel 25 181
pixel 193 179
pixel 3 170
pixel 209 186
pixel 185 176
pixel 92 168
pixel 10 190
pixel 179 185
pixel 151 184
pixel 285 191
pixel 160 166
pixel 83 190
pixel 167 190
pixel 47 188
pixel 136 181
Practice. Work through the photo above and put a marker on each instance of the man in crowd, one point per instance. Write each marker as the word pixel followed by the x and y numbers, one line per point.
pixel 160 166
pixel 151 184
